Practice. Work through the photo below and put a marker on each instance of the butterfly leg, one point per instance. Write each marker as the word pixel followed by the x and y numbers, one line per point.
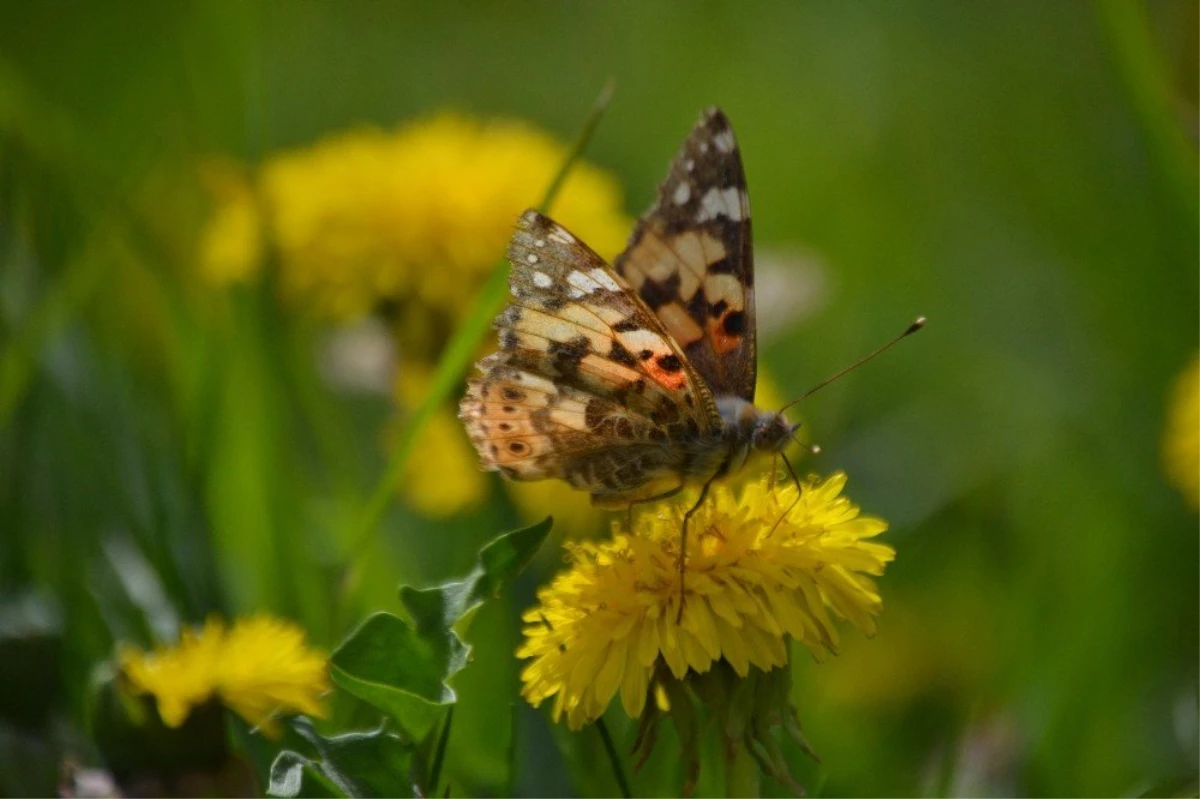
pixel 799 490
pixel 687 517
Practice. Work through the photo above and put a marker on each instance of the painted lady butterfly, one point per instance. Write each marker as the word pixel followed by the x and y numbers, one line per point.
pixel 633 381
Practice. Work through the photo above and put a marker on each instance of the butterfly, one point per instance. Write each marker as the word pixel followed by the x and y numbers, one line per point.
pixel 634 380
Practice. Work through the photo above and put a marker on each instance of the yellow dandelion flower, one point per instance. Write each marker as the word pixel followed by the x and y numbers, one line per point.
pixel 605 625
pixel 1181 440
pixel 260 667
pixel 420 213
pixel 181 677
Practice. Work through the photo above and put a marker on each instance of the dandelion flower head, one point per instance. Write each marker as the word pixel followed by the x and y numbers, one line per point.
pixel 259 667
pixel 604 625
pixel 418 213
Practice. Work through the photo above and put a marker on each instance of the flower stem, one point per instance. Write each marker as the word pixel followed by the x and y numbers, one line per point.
pixel 741 772
pixel 613 759
pixel 439 754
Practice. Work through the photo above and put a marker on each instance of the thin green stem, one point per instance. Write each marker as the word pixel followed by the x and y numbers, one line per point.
pixel 439 754
pixel 462 348
pixel 514 746
pixel 613 759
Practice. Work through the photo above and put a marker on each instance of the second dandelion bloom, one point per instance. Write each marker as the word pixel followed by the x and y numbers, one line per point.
pixel 604 626
pixel 259 667
pixel 416 216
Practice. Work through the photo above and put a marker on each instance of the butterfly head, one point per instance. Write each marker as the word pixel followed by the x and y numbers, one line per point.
pixel 772 431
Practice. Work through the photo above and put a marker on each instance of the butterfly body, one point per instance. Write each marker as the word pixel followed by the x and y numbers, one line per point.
pixel 635 380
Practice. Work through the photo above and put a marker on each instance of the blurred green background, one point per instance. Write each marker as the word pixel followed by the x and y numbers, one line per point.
pixel 1023 173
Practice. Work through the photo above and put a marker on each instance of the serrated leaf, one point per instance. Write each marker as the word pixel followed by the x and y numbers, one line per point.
pixel 357 764
pixel 403 668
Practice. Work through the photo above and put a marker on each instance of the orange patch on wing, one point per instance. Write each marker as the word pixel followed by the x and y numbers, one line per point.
pixel 667 371
pixel 723 342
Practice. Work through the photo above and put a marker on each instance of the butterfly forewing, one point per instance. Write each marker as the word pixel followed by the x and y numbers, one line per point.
pixel 691 262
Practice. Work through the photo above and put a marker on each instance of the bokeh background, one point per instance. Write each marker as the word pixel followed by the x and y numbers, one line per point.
pixel 1022 173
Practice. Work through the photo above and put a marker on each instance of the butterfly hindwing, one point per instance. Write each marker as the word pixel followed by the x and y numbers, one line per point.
pixel 587 385
pixel 528 428
pixel 691 262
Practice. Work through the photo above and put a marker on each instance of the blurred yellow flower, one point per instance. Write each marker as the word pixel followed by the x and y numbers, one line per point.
pixel 258 668
pixel 443 478
pixel 231 244
pixel 572 509
pixel 606 623
pixel 1181 441
pixel 420 214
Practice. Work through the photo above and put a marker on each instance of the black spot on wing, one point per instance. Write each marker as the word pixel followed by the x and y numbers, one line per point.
pixel 735 323
pixel 657 294
pixel 697 307
pixel 566 355
pixel 621 355
pixel 725 266
pixel 669 363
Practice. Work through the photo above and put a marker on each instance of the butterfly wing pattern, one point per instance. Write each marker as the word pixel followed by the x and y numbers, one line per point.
pixel 690 259
pixel 588 385
pixel 616 379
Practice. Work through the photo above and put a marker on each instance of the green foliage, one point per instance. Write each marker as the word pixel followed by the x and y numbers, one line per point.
pixel 358 764
pixel 402 668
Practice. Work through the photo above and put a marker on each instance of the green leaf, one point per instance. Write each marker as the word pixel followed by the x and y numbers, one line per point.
pixel 403 668
pixel 377 763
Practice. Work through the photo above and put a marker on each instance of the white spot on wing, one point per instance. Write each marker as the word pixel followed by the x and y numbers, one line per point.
pixel 724 141
pixel 582 282
pixel 689 165
pixel 542 280
pixel 720 202
pixel 682 193
pixel 638 340
pixel 604 279
pixel 531 258
pixel 539 243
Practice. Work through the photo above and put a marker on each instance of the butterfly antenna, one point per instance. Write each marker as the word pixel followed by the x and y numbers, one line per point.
pixel 812 449
pixel 913 328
